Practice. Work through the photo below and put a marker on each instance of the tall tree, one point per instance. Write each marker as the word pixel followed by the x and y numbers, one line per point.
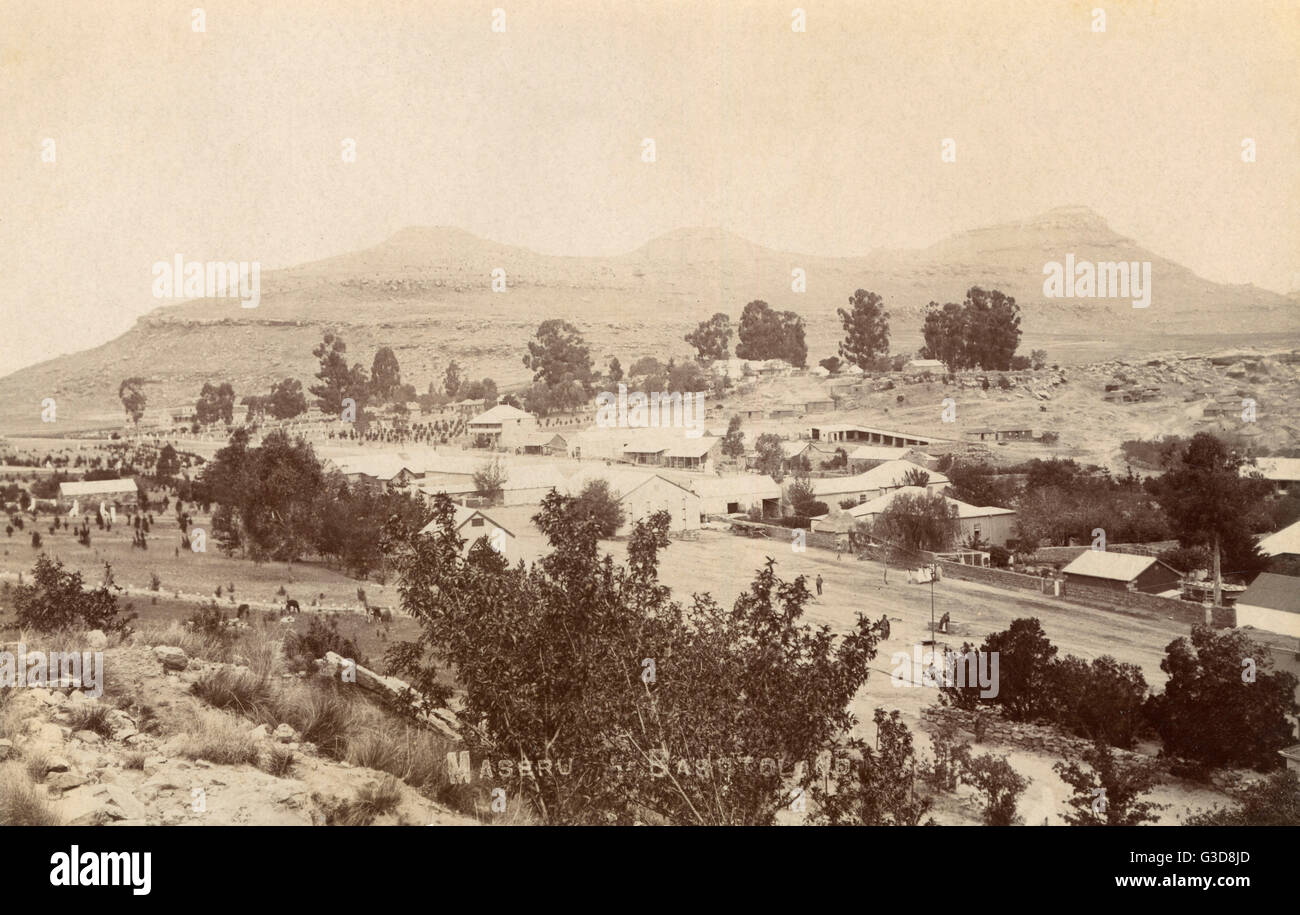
pixel 992 322
pixel 945 335
pixel 733 443
pixel 287 399
pixel 771 459
pixel 337 380
pixel 452 380
pixel 131 393
pixel 385 375
pixel 711 338
pixel 216 402
pixel 1209 502
pixel 169 463
pixel 560 358
pixel 866 329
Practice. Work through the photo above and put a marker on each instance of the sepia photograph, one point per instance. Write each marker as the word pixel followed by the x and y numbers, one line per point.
pixel 717 413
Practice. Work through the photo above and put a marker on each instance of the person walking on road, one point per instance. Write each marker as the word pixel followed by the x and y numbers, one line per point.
pixel 819 584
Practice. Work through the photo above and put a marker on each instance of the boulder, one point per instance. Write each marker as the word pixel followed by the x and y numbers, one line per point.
pixel 172 658
pixel 96 640
pixel 284 733
pixel 65 781
pixel 93 804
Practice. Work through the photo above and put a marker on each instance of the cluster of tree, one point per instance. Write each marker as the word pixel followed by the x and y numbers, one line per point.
pixel 581 658
pixel 765 333
pixel 1208 712
pixel 1272 801
pixel 276 502
pixel 285 401
pixel 983 331
pixel 1202 499
pixel 216 403
pixel 456 387
pixel 1063 502
pixel 649 374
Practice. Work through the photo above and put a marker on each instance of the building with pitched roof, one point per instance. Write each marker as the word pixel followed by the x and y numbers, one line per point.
pixel 1271 603
pixel 1122 572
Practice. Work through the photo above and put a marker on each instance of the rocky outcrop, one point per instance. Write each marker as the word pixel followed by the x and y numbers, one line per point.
pixel 336 667
pixel 172 658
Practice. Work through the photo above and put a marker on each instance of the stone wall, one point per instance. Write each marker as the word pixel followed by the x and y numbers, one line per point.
pixel 1036 737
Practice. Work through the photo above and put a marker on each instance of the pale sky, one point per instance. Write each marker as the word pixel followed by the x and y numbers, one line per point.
pixel 226 145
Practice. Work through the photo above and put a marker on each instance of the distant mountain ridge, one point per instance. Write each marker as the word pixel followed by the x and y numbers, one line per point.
pixel 426 291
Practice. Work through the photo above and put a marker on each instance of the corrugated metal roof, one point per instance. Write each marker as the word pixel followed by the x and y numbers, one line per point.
pixel 1112 566
pixel 98 487
pixel 1275 592
pixel 1280 542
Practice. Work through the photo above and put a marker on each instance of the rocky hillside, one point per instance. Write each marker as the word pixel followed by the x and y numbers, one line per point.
pixel 427 293
pixel 154 750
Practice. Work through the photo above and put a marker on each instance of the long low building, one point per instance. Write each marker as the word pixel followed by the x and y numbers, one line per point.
pixel 873 483
pixel 1122 572
pixel 852 432
pixel 92 492
pixel 737 493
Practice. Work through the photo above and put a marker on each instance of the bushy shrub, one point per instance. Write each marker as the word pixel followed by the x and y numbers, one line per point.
pixel 322 636
pixel 56 599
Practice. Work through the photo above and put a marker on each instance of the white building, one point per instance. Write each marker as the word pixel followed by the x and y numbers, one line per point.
pixel 1282 543
pixel 473 525
pixel 737 493
pixel 987 523
pixel 503 425
pixel 641 494
pixel 1283 473
pixel 94 492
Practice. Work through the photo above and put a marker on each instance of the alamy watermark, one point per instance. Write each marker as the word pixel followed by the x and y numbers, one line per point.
pixel 80 670
pixel 1102 280
pixel 177 279
pixel 657 410
pixel 953 669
